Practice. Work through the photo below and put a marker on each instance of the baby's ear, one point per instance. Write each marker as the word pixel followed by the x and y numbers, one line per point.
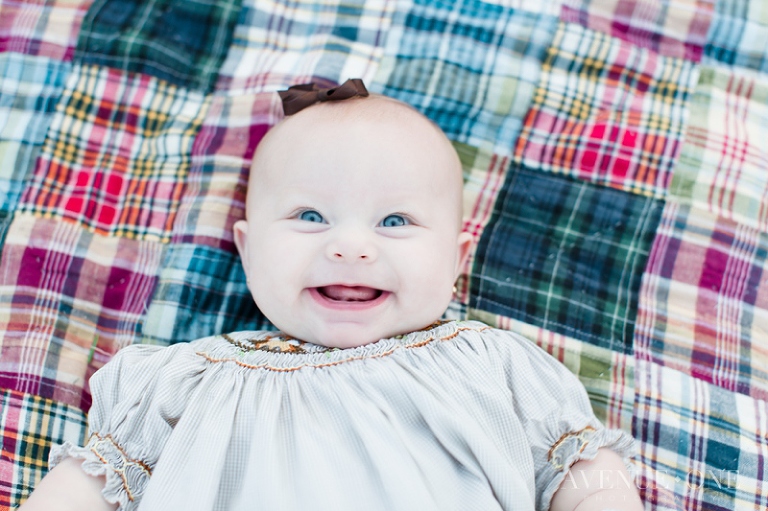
pixel 464 245
pixel 241 241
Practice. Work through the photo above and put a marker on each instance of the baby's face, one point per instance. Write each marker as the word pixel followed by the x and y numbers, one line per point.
pixel 353 227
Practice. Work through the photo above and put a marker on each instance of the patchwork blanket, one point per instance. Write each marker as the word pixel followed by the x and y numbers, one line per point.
pixel 616 184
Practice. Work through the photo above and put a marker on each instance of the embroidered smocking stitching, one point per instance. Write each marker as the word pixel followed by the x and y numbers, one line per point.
pixel 268 367
pixel 271 343
pixel 574 441
pixel 112 447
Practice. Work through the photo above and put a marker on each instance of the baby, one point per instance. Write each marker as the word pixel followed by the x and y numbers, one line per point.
pixel 363 400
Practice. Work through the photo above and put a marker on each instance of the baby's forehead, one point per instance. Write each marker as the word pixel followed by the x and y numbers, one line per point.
pixel 374 110
pixel 366 130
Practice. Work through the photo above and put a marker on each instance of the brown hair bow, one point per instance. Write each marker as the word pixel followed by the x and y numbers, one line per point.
pixel 299 97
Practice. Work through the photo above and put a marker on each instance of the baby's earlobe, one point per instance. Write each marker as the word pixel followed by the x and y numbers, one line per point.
pixel 240 233
pixel 464 248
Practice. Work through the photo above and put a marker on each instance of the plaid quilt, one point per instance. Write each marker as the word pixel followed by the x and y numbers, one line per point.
pixel 616 186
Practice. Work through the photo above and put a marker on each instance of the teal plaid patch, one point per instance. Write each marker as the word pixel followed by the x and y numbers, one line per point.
pixel 133 36
pixel 566 256
pixel 738 35
pixel 201 292
pixel 700 446
pixel 29 90
pixel 470 66
pixel 278 43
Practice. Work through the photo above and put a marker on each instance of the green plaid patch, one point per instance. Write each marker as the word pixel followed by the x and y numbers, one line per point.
pixel 29 425
pixel 723 164
pixel 133 36
pixel 566 256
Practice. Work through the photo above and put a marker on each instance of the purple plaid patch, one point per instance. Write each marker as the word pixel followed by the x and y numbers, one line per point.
pixel 70 299
pixel 717 269
pixel 673 28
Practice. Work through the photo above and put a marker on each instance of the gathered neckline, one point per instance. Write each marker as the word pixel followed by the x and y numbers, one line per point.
pixel 276 351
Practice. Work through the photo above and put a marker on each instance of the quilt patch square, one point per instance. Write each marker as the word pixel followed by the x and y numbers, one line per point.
pixel 29 90
pixel 214 196
pixel 703 304
pixel 117 154
pixel 133 36
pixel 673 28
pixel 738 35
pixel 46 28
pixel 28 426
pixel 201 291
pixel 278 44
pixel 723 165
pixel 608 112
pixel 700 446
pixel 69 299
pixel 565 256
pixel 470 66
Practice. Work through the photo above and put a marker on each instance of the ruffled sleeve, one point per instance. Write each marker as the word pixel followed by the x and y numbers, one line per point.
pixel 557 417
pixel 137 399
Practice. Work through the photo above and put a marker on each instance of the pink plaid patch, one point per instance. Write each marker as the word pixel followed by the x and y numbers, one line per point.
pixel 673 28
pixel 40 27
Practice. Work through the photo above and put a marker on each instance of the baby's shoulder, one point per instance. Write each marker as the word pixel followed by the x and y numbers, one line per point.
pixel 509 347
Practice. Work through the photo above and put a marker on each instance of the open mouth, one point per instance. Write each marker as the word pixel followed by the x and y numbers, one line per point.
pixel 349 293
pixel 348 297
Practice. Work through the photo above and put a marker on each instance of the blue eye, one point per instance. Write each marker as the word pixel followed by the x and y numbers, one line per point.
pixel 310 215
pixel 394 221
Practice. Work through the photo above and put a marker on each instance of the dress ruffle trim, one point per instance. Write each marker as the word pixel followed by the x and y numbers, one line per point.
pixel 583 445
pixel 126 478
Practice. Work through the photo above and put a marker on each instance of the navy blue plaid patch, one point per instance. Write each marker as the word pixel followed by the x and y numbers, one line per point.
pixel 735 37
pixel 470 66
pixel 201 292
pixel 566 256
pixel 133 35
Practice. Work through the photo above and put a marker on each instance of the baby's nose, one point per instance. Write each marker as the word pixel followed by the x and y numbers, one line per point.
pixel 352 247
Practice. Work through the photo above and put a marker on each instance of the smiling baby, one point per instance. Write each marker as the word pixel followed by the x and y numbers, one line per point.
pixel 363 400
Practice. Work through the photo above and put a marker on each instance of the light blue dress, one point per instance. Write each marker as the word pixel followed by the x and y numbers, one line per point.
pixel 458 416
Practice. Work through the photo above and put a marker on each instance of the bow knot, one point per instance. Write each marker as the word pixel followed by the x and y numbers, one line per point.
pixel 299 97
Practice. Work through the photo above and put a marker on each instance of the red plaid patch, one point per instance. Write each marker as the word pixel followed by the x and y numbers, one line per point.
pixel 117 154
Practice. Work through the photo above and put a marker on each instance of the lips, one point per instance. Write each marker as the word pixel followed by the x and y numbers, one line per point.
pixel 348 297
